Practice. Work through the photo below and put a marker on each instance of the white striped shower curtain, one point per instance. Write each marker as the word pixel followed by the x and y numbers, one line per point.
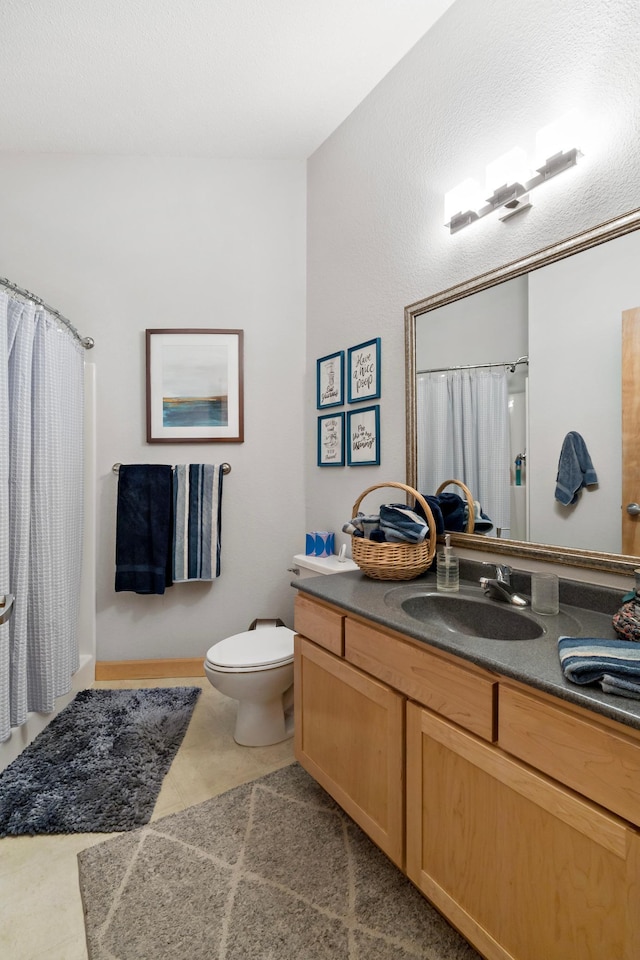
pixel 41 508
pixel 462 421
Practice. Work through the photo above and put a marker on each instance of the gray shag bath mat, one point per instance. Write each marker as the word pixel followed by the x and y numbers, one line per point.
pixel 99 765
pixel 271 870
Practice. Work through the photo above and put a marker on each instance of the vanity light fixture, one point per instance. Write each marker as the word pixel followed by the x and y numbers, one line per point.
pixel 515 180
pixel 516 205
pixel 464 197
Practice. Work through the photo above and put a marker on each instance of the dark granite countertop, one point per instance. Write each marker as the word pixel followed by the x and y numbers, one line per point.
pixel 585 610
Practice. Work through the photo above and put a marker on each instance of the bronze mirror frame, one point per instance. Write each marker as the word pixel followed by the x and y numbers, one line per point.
pixel 617 227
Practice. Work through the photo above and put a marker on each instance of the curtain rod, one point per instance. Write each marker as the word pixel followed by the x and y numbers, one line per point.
pixel 510 364
pixel 86 342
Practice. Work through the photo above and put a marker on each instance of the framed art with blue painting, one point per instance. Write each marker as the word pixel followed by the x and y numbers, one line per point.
pixel 364 371
pixel 195 386
pixel 331 440
pixel 363 437
pixel 330 380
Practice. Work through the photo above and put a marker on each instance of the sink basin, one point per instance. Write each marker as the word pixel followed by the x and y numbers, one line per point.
pixel 474 618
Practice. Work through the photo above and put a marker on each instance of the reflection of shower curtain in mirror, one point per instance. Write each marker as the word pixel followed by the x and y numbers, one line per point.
pixel 41 508
pixel 463 433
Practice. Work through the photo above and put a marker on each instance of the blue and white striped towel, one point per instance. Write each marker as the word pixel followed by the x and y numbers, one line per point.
pixel 197 498
pixel 614 664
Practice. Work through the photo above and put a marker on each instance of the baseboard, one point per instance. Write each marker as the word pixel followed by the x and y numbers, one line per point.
pixel 149 669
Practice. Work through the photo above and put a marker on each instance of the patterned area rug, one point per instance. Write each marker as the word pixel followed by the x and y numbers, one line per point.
pixel 271 870
pixel 99 765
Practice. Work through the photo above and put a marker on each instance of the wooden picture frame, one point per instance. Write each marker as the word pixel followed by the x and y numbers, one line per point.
pixel 195 386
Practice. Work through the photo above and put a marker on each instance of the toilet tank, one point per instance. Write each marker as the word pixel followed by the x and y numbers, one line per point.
pixel 305 567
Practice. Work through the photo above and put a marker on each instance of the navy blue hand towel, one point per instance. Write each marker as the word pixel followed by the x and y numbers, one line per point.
pixel 575 469
pixel 434 504
pixel 449 512
pixel 454 512
pixel 143 528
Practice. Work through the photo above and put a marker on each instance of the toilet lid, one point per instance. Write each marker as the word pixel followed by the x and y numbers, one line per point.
pixel 266 646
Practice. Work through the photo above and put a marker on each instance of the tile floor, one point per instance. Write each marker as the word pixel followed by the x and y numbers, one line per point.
pixel 40 908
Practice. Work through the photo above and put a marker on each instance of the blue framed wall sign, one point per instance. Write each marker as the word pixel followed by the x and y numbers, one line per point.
pixel 364 371
pixel 331 440
pixel 330 380
pixel 363 437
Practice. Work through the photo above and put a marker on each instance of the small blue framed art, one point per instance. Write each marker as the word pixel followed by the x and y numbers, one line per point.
pixel 364 371
pixel 331 440
pixel 363 437
pixel 330 380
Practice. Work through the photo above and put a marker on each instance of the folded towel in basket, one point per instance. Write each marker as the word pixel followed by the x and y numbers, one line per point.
pixel 615 664
pixel 401 524
pixel 449 512
pixel 434 505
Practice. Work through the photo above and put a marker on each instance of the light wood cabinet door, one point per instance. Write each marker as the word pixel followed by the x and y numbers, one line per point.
pixel 525 868
pixel 349 735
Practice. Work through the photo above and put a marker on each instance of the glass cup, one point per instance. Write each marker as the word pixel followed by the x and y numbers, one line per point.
pixel 545 597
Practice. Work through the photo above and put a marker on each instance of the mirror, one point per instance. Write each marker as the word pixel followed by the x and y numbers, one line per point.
pixel 555 300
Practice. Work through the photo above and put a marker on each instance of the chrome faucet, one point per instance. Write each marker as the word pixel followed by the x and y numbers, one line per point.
pixel 499 587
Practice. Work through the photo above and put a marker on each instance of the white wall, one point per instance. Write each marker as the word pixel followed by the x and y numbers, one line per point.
pixel 484 79
pixel 575 342
pixel 490 327
pixel 122 244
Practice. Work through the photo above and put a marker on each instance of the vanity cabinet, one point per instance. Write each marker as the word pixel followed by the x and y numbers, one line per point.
pixel 514 813
pixel 523 867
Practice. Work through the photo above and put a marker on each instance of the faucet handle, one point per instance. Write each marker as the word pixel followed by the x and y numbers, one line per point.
pixel 503 573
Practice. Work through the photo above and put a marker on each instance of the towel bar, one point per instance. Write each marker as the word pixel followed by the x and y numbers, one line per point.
pixel 226 467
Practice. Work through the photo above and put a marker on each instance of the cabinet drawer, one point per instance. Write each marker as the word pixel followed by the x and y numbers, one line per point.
pixel 600 763
pixel 468 697
pixel 320 624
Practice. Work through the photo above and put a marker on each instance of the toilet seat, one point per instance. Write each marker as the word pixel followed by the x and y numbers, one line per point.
pixel 263 649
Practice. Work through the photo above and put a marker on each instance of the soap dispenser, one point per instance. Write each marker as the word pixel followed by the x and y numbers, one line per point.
pixel 448 569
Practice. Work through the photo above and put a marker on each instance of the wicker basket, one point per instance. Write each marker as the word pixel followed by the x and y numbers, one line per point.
pixel 471 520
pixel 394 561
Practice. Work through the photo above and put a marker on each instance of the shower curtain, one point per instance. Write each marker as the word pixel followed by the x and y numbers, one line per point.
pixel 463 433
pixel 41 508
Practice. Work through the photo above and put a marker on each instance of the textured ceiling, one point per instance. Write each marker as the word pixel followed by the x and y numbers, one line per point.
pixel 216 78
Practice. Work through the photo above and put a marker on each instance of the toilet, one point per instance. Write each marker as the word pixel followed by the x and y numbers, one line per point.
pixel 256 669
